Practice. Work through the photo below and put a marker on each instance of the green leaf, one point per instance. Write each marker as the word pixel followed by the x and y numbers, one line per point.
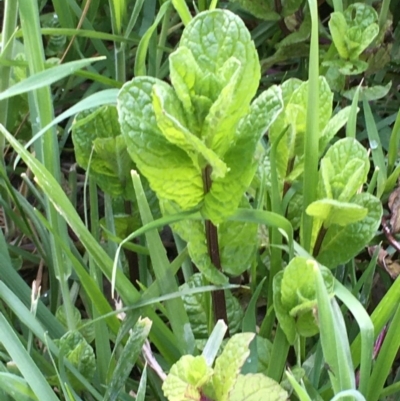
pixel 180 181
pixel 296 111
pixel 344 170
pixel 264 349
pixel 354 30
pixel 256 387
pixel 230 72
pixel 362 20
pixel 292 123
pixel 226 193
pixel 166 106
pixel 286 321
pixel 237 244
pixel 128 357
pixel 332 128
pixel 331 212
pixel 229 363
pixel 79 353
pixel 263 9
pixel 99 132
pixel 186 378
pixel 197 308
pixel 369 93
pixel 338 27
pixel 340 244
pixel 295 297
pixel 16 387
pixel 47 77
pixel 173 136
pixel 347 67
pixel 191 87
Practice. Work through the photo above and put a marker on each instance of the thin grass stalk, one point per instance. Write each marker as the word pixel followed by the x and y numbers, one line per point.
pixel 337 5
pixel 279 353
pixel 101 333
pixel 43 108
pixel 119 49
pixel 386 357
pixel 7 47
pixel 383 14
pixel 311 139
pixel 394 145
pixel 162 40
pixel 276 237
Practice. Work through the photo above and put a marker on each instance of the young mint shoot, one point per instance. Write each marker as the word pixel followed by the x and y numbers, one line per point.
pixel 195 141
pixel 191 378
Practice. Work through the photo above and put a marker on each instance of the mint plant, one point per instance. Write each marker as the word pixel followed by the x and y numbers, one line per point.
pixel 352 32
pixel 344 219
pixel 295 298
pixel 195 378
pixel 195 141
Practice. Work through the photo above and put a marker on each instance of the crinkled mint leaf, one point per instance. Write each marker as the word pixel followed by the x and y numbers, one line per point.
pixel 296 111
pixel 264 349
pixel 369 93
pixel 193 232
pixel 347 67
pixel 354 30
pixel 340 244
pixel 87 330
pixel 196 306
pixel 98 131
pixel 256 387
pixel 338 27
pixel 189 83
pixel 186 378
pixel 286 321
pixel 227 192
pixel 237 244
pixel 331 212
pixel 295 297
pixel 168 111
pixel 292 122
pixel 348 164
pixel 232 66
pixel 362 20
pixel 360 14
pixel 229 363
pixel 332 128
pixel 263 9
pixel 169 170
pixel 62 318
pixel 79 353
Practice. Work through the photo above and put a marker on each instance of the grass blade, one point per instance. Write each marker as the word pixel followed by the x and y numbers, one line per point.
pixel 128 358
pixel 176 311
pixel 366 332
pixel 25 363
pixel 386 357
pixel 47 77
pixel 376 149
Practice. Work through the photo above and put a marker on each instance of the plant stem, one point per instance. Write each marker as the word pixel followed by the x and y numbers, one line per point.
pixel 218 297
pixel 318 241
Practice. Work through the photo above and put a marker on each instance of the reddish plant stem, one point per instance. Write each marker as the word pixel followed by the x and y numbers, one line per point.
pixel 218 297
